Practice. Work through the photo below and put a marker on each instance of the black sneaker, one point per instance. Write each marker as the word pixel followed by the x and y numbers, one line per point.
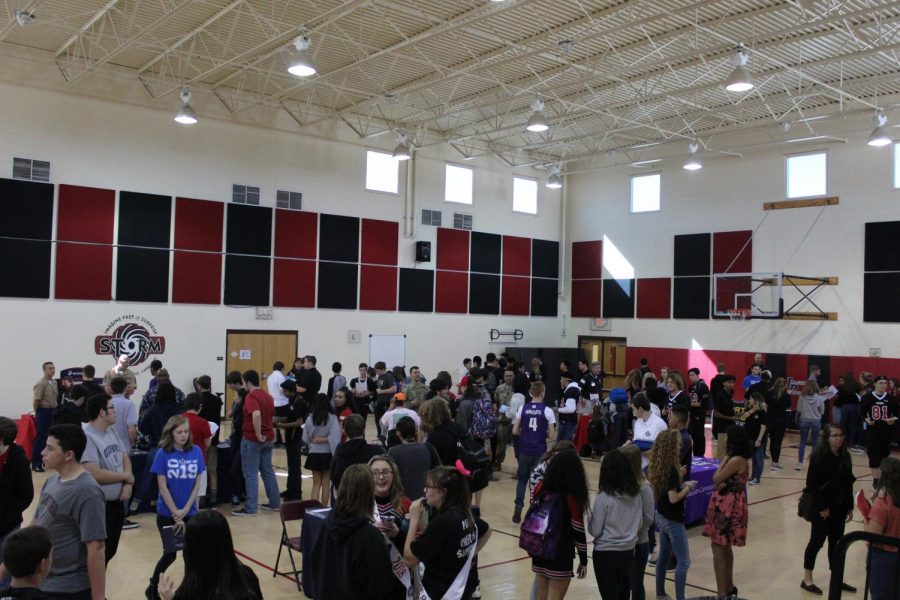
pixel 269 507
pixel 129 524
pixel 517 515
pixel 242 513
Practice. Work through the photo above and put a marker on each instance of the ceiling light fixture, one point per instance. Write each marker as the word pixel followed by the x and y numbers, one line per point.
pixel 740 79
pixel 879 136
pixel 537 122
pixel 554 182
pixel 401 152
pixel 693 163
pixel 301 64
pixel 186 114
pixel 24 18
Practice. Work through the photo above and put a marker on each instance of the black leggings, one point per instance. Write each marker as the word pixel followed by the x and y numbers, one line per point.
pixel 776 436
pixel 831 529
pixel 236 473
pixel 166 560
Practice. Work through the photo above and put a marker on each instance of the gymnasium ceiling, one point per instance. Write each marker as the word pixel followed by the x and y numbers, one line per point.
pixel 618 78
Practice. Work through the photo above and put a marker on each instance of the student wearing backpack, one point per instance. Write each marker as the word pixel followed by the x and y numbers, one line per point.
pixel 532 425
pixel 564 492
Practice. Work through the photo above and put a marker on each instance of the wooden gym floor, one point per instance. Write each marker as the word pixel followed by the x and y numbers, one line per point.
pixel 770 566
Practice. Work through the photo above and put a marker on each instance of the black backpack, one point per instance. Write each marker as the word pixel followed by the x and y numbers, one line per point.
pixel 474 458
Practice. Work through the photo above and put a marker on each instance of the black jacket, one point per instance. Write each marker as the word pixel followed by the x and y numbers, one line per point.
pixel 155 419
pixel 16 489
pixel 351 452
pixel 350 561
pixel 69 413
pixel 444 440
pixel 830 480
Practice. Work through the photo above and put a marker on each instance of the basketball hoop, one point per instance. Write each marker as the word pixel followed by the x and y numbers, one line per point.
pixel 738 314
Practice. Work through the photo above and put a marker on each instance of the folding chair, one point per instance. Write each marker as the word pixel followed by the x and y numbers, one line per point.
pixel 292 511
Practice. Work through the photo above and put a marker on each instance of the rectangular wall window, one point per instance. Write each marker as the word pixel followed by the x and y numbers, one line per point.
pixel 645 192
pixel 525 195
pixel 897 165
pixel 806 175
pixel 459 184
pixel 382 172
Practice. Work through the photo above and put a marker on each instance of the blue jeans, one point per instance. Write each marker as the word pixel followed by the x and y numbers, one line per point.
pixel 884 581
pixel 526 466
pixel 808 429
pixel 636 573
pixel 43 419
pixel 566 431
pixel 759 461
pixel 256 459
pixel 850 423
pixel 672 538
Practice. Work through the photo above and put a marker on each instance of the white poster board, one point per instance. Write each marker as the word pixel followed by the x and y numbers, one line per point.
pixel 388 348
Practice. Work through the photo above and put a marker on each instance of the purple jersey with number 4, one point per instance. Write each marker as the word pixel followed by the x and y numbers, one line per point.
pixel 533 429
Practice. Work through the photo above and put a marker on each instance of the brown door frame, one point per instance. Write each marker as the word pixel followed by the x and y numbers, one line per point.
pixel 603 338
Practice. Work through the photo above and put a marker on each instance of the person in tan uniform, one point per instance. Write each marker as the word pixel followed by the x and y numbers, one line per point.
pixel 45 400
pixel 121 370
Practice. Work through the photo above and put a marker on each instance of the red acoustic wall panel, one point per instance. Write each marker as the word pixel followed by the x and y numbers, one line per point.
pixel 85 214
pixel 295 283
pixel 451 294
pixel 296 234
pixel 797 366
pixel 198 224
pixel 515 295
pixel 587 260
pixel 377 287
pixel 84 271
pixel 733 252
pixel 586 295
pixel 654 298
pixel 516 256
pixel 197 277
pixel 452 249
pixel 379 242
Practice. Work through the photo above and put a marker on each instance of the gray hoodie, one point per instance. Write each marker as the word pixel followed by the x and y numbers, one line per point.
pixel 615 522
pixel 813 407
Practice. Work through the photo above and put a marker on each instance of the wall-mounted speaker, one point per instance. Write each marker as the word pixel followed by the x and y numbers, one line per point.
pixel 423 251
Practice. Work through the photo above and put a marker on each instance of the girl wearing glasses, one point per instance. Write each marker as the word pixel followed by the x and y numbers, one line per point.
pixel 447 547
pixel 830 481
pixel 391 503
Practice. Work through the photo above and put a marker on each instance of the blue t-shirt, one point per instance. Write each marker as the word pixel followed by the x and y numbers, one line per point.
pixel 181 470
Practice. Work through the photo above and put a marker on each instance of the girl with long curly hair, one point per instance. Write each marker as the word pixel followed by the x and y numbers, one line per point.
pixel 665 475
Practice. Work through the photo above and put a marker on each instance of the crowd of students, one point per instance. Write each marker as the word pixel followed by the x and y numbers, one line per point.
pixel 407 506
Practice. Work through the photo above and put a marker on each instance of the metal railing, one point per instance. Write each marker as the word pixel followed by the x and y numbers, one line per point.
pixel 837 569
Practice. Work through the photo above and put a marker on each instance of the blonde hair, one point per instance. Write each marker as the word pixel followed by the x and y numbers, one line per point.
pixel 432 413
pixel 395 493
pixel 760 401
pixel 664 456
pixel 633 454
pixel 167 440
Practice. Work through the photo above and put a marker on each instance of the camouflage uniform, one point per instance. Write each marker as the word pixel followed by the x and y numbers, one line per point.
pixel 504 423
pixel 415 394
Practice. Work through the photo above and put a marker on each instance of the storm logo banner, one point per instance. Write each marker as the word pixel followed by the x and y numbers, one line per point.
pixel 132 339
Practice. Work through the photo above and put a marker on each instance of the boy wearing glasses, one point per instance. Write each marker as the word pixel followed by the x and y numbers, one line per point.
pixel 107 461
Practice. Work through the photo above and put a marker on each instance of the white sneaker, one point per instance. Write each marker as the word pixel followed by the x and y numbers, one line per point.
pixel 775 467
pixel 799 467
pixel 753 482
pixel 477 593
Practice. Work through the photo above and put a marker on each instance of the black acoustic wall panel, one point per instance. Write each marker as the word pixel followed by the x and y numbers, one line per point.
pixel 882 249
pixel 249 230
pixel 339 238
pixel 618 298
pixel 247 280
pixel 142 275
pixel 880 293
pixel 690 299
pixel 543 297
pixel 545 259
pixel 693 254
pixel 416 290
pixel 776 364
pixel 26 225
pixel 485 253
pixel 484 294
pixel 338 284
pixel 144 220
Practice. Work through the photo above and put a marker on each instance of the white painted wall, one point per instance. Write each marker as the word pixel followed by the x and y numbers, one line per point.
pixel 93 142
pixel 726 195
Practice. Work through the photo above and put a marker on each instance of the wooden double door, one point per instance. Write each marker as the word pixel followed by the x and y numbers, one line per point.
pixel 258 350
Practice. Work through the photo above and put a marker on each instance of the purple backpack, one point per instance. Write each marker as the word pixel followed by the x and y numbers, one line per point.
pixel 543 526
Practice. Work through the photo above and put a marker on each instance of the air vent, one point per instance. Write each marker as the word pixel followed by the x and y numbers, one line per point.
pixel 461 221
pixel 431 217
pixel 31 170
pixel 286 199
pixel 245 194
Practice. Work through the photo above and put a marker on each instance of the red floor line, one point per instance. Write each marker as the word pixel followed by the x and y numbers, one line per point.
pixel 502 562
pixel 263 565
pixel 774 498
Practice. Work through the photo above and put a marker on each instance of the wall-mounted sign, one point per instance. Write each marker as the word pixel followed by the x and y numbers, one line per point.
pixel 133 335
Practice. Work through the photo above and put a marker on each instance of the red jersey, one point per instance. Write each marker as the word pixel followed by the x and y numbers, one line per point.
pixel 200 431
pixel 259 400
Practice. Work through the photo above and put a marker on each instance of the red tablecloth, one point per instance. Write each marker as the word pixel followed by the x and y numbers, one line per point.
pixel 27 432
pixel 581 433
